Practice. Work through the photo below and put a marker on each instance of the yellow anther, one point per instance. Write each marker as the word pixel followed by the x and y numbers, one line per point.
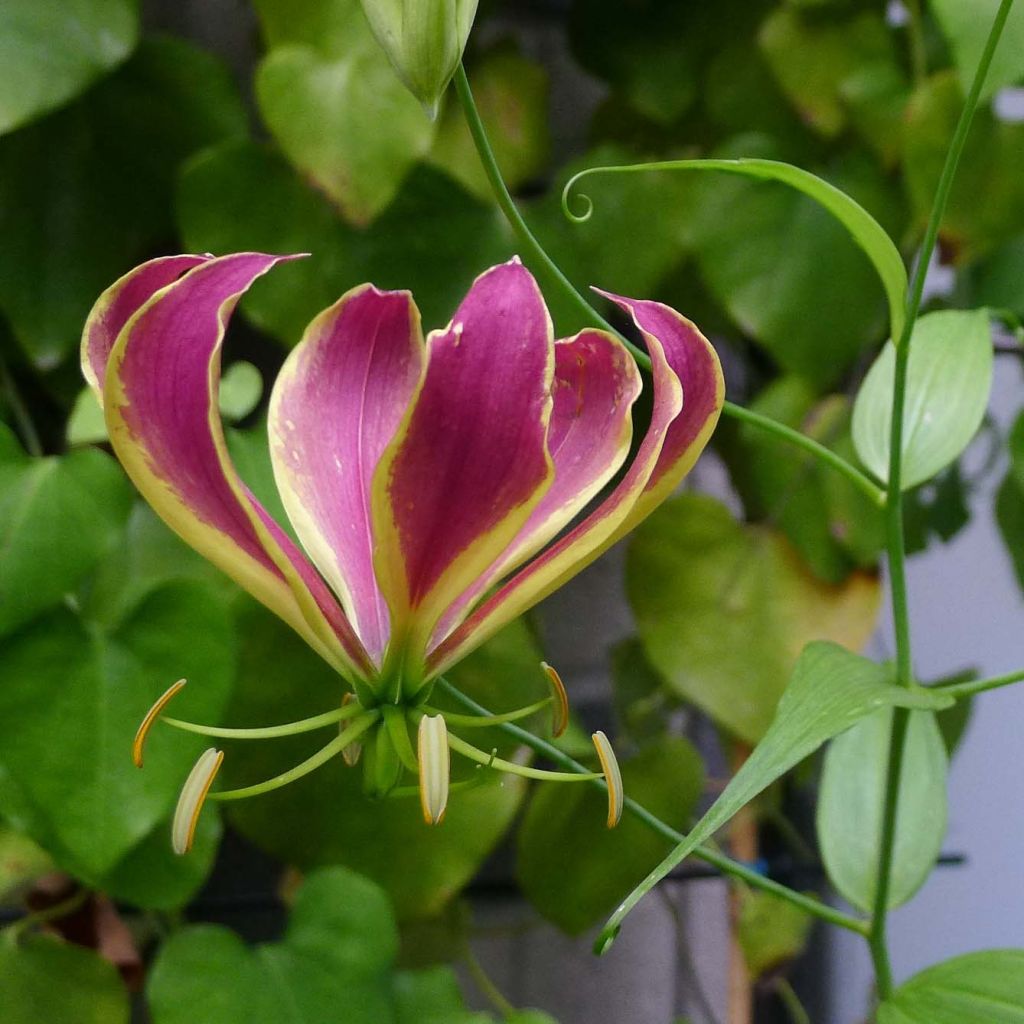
pixel 560 710
pixel 193 795
pixel 612 775
pixel 152 715
pixel 435 767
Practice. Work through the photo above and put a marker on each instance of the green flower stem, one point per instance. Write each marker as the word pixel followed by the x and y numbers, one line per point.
pixel 476 722
pixel 824 455
pixel 705 853
pixel 894 511
pixel 271 731
pixel 973 686
pixel 321 757
pixel 535 252
pixel 525 771
pixel 64 908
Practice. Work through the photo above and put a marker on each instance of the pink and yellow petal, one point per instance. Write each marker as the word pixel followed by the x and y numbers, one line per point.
pixel 696 364
pixel 595 385
pixel 116 306
pixel 335 406
pixel 682 359
pixel 160 392
pixel 469 462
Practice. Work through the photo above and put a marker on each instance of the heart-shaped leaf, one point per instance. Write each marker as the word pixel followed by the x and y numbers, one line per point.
pixel 723 609
pixel 72 698
pixel 339 112
pixel 337 955
pixel 45 979
pixel 58 517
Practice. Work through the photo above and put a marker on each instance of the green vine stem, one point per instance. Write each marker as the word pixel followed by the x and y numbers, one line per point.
pixel 537 255
pixel 894 511
pixel 725 864
pixel 973 686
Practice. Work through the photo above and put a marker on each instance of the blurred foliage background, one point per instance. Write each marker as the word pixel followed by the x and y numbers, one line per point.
pixel 280 126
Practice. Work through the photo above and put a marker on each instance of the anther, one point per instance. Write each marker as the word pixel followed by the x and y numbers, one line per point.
pixel 139 743
pixel 560 709
pixel 612 776
pixel 435 767
pixel 193 795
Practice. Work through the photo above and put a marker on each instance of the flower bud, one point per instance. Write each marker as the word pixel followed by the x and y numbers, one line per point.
pixel 424 40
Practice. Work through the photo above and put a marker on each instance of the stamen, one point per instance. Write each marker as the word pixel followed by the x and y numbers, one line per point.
pixel 193 795
pixel 612 775
pixel 151 716
pixel 435 767
pixel 490 761
pixel 322 756
pixel 350 755
pixel 486 721
pixel 270 732
pixel 560 720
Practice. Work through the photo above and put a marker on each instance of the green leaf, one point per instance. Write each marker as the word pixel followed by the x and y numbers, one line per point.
pixel 59 516
pixel 966 25
pixel 45 979
pixel 325 103
pixel 338 951
pixel 816 59
pixel 99 177
pixel 948 383
pixel 571 866
pixel 74 688
pixel 979 988
pixel 723 609
pixel 51 50
pixel 989 167
pixel 739 229
pixel 433 239
pixel 770 931
pixel 325 817
pixel 830 690
pixel 851 806
pixel 511 94
pixel 153 877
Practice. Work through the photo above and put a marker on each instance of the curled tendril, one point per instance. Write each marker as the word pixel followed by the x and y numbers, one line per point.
pixel 583 201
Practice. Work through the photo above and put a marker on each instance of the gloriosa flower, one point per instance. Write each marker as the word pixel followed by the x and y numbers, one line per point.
pixel 431 482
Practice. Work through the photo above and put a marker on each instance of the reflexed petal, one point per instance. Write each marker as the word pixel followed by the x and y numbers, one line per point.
pixel 469 462
pixel 192 798
pixel 116 306
pixel 335 406
pixel 161 410
pixel 596 383
pixel 682 359
pixel 696 365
